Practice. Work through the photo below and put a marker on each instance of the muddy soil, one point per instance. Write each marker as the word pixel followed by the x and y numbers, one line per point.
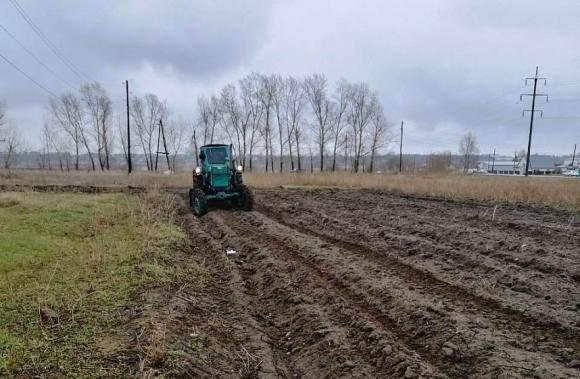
pixel 340 283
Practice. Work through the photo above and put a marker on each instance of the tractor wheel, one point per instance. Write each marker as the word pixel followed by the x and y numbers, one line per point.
pixel 245 200
pixel 198 202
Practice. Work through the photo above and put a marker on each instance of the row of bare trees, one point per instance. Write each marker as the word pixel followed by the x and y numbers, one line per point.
pixel 10 140
pixel 280 117
pixel 83 123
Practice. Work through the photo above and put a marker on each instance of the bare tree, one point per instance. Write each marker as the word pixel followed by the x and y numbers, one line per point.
pixel 315 87
pixel 123 138
pixel 58 144
pixel 468 148
pixel 2 115
pixel 146 114
pixel 338 117
pixel 377 136
pixel 267 99
pixel 202 125
pixel 2 122
pixel 175 135
pixel 208 116
pixel 236 119
pixel 67 112
pixel 45 141
pixel 12 143
pixel 439 163
pixel 137 111
pixel 99 108
pixel 360 110
pixel 250 91
pixel 280 96
pixel 294 107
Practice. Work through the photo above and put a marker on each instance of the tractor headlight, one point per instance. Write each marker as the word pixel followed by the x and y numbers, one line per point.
pixel 198 170
pixel 239 168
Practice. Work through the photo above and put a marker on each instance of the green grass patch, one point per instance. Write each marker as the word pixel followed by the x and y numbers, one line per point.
pixel 68 265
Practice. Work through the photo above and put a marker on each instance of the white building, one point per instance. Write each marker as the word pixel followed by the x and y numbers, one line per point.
pixel 539 165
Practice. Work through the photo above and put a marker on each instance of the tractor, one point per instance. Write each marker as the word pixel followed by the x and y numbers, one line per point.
pixel 218 179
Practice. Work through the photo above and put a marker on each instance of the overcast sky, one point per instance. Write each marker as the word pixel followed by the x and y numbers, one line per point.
pixel 444 66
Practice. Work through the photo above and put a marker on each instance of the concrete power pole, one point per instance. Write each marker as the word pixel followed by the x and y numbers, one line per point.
pixel 532 111
pixel 129 163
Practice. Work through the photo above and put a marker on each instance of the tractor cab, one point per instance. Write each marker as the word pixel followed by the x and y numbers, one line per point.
pixel 215 164
pixel 218 178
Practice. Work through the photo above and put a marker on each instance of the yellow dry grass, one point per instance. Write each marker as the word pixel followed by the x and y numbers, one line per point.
pixel 551 191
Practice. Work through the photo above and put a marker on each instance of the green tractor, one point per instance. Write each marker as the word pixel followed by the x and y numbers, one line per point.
pixel 218 179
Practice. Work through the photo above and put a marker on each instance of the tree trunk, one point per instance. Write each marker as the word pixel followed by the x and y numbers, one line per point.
pixel 291 156
pixel 271 152
pixel 298 158
pixel 267 147
pixel 76 156
pixel 195 149
pixel 334 152
pixel 321 156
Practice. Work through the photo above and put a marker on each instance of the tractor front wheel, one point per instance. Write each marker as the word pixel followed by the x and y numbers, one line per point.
pixel 197 201
pixel 245 200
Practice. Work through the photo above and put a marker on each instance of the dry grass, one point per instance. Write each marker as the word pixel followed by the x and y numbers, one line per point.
pixel 552 191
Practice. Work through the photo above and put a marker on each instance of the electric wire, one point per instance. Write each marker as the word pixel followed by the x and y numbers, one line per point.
pixel 47 41
pixel 40 62
pixel 28 76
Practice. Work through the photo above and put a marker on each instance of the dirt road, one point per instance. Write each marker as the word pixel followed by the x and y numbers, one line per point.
pixel 338 283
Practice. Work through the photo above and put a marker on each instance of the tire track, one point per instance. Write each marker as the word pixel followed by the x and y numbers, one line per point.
pixel 370 313
pixel 238 338
pixel 547 337
pixel 333 308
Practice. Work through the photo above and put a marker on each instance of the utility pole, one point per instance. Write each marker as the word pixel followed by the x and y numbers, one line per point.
pixel 493 161
pixel 401 150
pixel 532 111
pixel 574 156
pixel 161 134
pixel 129 163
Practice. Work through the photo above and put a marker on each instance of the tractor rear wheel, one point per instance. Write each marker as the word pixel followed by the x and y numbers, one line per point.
pixel 197 201
pixel 245 199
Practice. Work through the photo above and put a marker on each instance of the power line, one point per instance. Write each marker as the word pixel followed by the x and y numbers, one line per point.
pixel 36 58
pixel 28 76
pixel 47 41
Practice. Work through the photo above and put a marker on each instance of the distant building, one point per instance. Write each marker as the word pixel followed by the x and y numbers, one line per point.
pixel 502 165
pixel 539 165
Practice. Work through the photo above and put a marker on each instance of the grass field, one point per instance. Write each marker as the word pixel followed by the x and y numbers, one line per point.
pixel 69 263
pixel 551 191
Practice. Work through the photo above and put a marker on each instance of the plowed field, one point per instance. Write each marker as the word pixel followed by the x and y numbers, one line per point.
pixel 341 283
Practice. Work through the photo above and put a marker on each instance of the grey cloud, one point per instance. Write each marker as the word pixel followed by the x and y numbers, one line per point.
pixel 445 66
